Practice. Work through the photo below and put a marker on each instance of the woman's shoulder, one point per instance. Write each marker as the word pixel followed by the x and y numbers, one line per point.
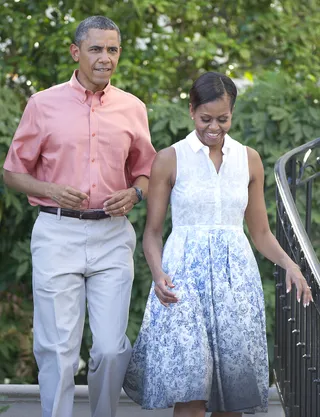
pixel 164 164
pixel 255 164
pixel 166 154
pixel 253 155
pixel 165 157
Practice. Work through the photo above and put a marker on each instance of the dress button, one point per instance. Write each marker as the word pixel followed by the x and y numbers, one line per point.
pixel 93 134
pixel 93 185
pixel 92 110
pixel 92 160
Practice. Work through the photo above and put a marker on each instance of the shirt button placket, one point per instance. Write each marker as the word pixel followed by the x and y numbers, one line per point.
pixel 219 214
pixel 93 149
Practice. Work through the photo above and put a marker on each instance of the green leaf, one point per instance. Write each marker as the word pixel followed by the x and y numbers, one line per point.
pixel 245 54
pixel 22 269
pixel 315 113
pixel 174 126
pixel 284 126
pixel 159 125
pixel 277 113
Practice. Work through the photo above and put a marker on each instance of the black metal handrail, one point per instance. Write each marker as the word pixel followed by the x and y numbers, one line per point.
pixel 297 335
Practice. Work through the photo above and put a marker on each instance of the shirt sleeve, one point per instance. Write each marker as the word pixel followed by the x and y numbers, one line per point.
pixel 142 153
pixel 26 145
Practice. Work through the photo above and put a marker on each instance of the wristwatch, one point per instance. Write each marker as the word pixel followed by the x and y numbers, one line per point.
pixel 139 193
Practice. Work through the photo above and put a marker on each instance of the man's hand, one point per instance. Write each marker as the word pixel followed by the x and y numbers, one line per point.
pixel 120 202
pixel 67 197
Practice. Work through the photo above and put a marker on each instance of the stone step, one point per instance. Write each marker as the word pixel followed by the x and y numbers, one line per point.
pixel 24 401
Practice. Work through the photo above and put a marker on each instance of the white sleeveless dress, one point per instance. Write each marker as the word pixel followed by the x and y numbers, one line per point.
pixel 211 345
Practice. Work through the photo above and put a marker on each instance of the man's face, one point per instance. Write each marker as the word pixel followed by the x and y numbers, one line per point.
pixel 98 57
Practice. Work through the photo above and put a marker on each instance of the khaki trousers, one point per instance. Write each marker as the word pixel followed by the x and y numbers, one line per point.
pixel 77 262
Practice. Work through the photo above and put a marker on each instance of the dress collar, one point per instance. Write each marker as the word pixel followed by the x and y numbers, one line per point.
pixel 196 144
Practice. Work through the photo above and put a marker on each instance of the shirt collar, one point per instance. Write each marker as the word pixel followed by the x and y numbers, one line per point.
pixel 196 144
pixel 81 91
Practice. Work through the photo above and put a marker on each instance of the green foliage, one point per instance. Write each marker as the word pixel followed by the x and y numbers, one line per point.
pixel 15 214
pixel 166 45
pixel 16 218
pixel 4 408
pixel 16 358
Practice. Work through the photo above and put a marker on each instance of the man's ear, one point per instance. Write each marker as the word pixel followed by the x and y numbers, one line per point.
pixel 75 52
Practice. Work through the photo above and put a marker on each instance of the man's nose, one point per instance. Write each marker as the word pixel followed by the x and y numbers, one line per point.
pixel 104 57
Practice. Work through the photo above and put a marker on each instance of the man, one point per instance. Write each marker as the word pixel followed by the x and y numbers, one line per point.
pixel 82 152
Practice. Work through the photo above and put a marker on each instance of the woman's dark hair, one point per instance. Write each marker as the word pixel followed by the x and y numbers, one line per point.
pixel 212 86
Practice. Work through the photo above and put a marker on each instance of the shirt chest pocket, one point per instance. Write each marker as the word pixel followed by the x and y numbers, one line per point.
pixel 116 157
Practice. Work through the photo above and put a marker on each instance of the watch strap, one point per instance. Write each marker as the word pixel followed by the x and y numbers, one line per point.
pixel 139 193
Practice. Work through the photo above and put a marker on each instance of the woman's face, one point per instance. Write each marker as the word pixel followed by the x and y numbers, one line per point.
pixel 212 121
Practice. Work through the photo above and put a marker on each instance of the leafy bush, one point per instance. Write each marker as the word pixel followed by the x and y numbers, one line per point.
pixel 16 218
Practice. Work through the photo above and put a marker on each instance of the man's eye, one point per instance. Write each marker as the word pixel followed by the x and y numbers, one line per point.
pixel 223 120
pixel 206 120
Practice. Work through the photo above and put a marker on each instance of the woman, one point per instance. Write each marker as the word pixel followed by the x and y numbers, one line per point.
pixel 202 345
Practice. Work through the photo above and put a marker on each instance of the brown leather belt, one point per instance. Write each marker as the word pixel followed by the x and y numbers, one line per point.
pixel 77 214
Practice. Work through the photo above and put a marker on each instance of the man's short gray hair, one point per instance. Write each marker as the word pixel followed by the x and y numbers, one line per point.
pixel 94 22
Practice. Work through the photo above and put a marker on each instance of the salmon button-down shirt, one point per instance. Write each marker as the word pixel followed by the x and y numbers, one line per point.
pixel 97 143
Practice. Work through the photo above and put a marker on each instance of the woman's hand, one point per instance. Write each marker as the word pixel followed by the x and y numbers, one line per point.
pixel 165 296
pixel 294 276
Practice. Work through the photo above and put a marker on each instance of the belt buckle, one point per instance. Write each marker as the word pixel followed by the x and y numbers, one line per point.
pixel 90 215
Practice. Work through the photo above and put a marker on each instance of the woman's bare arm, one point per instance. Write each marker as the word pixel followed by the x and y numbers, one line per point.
pixel 160 185
pixel 258 225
